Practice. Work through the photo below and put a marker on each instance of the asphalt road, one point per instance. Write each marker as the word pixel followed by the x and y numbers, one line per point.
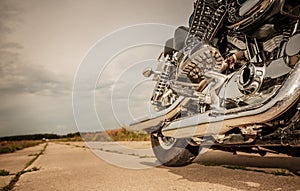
pixel 132 166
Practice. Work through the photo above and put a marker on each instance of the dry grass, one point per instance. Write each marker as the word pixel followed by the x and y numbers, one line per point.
pixel 4 172
pixel 121 134
pixel 70 139
pixel 125 135
pixel 12 146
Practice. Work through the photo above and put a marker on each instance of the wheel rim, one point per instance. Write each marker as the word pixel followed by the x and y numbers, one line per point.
pixel 166 142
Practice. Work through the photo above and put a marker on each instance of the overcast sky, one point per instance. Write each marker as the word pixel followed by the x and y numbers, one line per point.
pixel 42 44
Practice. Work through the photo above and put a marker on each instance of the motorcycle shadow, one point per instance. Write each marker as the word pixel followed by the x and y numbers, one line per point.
pixel 242 161
pixel 241 171
pixel 249 161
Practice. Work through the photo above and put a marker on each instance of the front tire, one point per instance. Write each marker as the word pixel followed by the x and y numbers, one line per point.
pixel 173 152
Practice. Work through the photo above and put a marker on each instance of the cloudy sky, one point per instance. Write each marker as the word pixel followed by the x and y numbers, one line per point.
pixel 44 42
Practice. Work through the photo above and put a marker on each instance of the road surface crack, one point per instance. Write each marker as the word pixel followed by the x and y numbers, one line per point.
pixel 13 182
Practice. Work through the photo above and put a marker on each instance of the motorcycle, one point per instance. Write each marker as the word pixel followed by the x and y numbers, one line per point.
pixel 230 81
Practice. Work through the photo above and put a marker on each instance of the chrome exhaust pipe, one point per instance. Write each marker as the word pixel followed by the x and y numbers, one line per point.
pixel 220 122
pixel 150 124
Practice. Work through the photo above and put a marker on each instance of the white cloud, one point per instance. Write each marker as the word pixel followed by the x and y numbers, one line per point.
pixel 17 77
pixel 42 44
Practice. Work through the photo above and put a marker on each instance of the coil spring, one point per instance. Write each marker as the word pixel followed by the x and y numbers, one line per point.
pixel 162 84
